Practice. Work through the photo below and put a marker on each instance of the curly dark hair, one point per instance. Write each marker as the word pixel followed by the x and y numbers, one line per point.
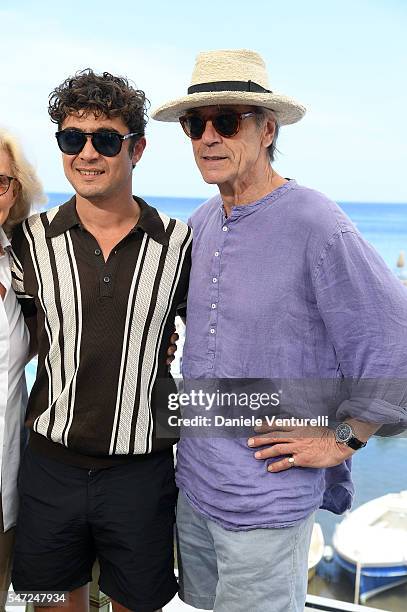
pixel 101 94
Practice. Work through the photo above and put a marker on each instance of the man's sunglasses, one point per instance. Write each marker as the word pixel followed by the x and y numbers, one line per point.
pixel 226 123
pixel 108 144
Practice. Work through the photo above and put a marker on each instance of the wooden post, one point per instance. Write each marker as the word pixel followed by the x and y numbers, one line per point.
pixel 357 582
pixel 98 601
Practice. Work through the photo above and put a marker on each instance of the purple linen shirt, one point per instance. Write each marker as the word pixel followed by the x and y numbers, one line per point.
pixel 286 287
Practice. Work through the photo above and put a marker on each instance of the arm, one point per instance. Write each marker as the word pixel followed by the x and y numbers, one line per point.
pixel 31 323
pixel 19 256
pixel 181 308
pixel 364 309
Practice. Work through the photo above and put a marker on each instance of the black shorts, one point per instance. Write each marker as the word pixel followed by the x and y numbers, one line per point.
pixel 122 515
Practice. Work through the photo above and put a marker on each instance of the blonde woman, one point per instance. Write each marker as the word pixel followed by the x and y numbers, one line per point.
pixel 19 188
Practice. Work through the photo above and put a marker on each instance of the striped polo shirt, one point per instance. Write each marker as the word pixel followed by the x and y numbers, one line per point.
pixel 103 331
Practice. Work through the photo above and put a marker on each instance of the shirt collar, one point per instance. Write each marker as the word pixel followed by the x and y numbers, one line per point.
pixel 150 221
pixel 246 209
pixel 4 241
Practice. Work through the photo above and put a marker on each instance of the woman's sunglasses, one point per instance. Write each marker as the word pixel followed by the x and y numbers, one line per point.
pixel 5 182
pixel 226 123
pixel 108 144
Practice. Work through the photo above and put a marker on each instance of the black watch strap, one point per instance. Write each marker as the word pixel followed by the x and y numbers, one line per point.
pixel 355 444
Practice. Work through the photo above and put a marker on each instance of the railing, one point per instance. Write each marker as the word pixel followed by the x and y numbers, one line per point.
pixel 323 604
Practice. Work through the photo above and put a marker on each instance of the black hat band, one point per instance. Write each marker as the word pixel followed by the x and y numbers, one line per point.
pixel 250 86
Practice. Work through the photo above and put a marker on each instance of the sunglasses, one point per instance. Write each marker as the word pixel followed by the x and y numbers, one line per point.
pixel 226 123
pixel 5 182
pixel 108 144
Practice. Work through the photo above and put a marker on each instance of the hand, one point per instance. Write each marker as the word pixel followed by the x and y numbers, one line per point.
pixel 171 350
pixel 313 447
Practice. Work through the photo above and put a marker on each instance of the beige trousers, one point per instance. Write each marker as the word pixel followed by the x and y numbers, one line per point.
pixel 6 559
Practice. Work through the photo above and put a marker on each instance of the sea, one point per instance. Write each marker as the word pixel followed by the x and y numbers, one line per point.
pixel 379 468
pixel 384 225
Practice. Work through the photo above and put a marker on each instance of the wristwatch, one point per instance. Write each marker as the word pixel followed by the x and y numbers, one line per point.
pixel 344 434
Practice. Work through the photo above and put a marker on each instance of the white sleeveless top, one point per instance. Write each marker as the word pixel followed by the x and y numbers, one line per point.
pixel 14 340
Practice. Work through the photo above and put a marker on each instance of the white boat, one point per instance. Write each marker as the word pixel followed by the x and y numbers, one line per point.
pixel 324 604
pixel 316 549
pixel 371 544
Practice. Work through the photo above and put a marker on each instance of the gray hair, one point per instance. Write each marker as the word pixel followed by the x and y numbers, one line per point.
pixel 262 115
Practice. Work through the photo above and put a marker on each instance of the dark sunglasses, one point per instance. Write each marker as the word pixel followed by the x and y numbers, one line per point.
pixel 226 123
pixel 108 144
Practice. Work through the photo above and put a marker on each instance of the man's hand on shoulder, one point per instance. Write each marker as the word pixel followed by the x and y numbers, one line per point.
pixel 296 446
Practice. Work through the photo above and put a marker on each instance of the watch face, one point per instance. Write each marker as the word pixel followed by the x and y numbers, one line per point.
pixel 343 432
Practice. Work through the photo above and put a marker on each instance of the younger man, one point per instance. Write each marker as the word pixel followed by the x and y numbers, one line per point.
pixel 103 275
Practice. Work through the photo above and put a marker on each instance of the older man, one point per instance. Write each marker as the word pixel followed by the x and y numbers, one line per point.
pixel 281 266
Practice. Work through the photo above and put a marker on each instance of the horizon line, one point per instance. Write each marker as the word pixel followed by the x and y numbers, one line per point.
pixel 203 198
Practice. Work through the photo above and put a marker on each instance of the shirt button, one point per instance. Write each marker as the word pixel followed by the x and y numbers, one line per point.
pixel 212 331
pixel 214 280
pixel 224 228
pixel 106 279
pixel 97 251
pixel 213 305
pixel 216 253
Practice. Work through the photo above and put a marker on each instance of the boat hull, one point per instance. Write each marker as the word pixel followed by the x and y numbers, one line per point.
pixel 374 579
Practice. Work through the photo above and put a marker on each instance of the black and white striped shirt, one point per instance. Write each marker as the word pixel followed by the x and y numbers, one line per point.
pixel 103 331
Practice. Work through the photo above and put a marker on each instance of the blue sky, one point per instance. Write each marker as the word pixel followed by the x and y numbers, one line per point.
pixel 345 60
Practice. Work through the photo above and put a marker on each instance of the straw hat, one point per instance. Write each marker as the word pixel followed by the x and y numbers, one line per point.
pixel 231 76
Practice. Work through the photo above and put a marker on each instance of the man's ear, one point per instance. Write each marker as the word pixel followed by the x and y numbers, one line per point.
pixel 138 150
pixel 269 130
